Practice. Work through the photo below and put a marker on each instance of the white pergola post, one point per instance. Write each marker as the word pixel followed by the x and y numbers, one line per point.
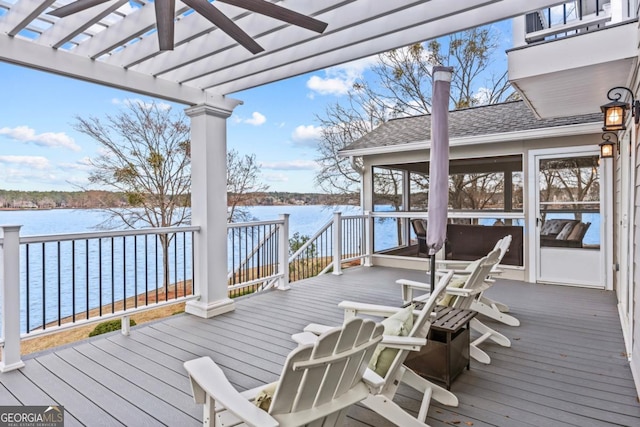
pixel 209 206
pixel 10 288
pixel 337 243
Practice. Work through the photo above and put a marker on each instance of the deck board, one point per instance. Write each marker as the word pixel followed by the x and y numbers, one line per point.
pixel 566 364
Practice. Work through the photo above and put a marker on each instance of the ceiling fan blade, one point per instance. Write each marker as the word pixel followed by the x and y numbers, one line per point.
pixel 165 25
pixel 278 12
pixel 207 10
pixel 75 7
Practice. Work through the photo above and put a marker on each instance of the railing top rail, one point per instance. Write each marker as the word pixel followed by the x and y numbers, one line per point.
pixel 254 223
pixel 105 234
pixel 451 214
pixel 354 216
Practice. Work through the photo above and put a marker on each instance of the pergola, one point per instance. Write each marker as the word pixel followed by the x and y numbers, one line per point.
pixel 115 43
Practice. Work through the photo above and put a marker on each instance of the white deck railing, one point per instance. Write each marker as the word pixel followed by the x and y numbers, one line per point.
pixel 55 282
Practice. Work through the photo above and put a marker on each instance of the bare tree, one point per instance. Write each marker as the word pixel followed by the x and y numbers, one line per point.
pixel 403 87
pixel 146 157
pixel 243 177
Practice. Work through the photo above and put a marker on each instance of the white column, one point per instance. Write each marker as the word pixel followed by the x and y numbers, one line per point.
pixel 10 276
pixel 368 238
pixel 518 30
pixel 337 243
pixel 209 206
pixel 283 254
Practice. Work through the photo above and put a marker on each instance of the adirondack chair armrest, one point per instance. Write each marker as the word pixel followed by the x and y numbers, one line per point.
pixel 461 292
pixel 373 380
pixel 308 337
pixel 448 263
pixel 311 332
pixel 456 272
pixel 207 379
pixel 354 308
pixel 403 343
pixel 414 284
pixel 314 329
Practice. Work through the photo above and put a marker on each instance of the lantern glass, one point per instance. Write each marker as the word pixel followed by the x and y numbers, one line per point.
pixel 606 150
pixel 614 116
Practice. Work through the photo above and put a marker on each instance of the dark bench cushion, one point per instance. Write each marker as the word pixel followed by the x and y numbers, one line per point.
pixel 470 242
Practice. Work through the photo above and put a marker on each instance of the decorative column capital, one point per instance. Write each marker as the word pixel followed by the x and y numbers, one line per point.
pixel 222 109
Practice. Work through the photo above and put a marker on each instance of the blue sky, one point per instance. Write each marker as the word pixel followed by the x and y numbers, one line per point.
pixel 40 150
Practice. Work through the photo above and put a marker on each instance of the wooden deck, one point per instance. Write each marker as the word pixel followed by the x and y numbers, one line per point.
pixel 566 365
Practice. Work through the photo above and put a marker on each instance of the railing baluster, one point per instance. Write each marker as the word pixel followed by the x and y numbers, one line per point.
pixel 59 285
pixel 124 272
pixel 28 277
pixel 44 287
pixel 100 272
pixel 73 281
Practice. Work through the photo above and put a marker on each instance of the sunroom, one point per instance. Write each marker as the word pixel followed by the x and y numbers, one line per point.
pixel 510 173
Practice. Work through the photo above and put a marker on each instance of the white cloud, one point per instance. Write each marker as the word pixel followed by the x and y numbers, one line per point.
pixel 47 139
pixel 35 162
pixel 144 104
pixel 83 164
pixel 256 119
pixel 482 96
pixel 306 133
pixel 276 177
pixel 339 80
pixel 291 165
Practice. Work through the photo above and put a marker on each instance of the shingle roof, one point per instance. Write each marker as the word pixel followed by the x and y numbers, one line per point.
pixel 484 120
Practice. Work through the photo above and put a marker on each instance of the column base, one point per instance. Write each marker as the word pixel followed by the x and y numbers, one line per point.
pixel 207 311
pixel 11 367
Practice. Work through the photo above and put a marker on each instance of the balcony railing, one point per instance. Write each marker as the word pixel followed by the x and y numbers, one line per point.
pixel 576 17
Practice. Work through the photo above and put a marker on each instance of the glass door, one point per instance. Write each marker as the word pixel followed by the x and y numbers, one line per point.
pixel 568 220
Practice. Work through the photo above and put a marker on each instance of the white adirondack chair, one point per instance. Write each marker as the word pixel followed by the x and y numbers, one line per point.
pixel 318 384
pixel 380 400
pixel 463 297
pixel 482 304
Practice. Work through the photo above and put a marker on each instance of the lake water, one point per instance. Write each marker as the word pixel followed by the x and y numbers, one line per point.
pixel 95 288
pixel 303 219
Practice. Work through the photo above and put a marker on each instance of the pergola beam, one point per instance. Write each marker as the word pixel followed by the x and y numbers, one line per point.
pixel 24 52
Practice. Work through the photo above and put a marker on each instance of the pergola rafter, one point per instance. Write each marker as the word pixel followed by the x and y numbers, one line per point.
pixel 116 44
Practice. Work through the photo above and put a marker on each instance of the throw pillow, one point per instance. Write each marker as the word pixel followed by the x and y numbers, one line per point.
pixel 576 233
pixel 447 299
pixel 566 230
pixel 400 324
pixel 264 398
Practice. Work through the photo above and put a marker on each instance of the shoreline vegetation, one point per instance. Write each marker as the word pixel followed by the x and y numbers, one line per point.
pixel 94 199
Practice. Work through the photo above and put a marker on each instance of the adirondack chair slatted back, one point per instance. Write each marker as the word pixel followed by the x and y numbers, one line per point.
pixel 317 374
pixel 476 279
pixel 421 326
pixel 503 245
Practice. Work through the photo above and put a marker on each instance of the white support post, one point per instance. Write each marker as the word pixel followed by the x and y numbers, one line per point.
pixel 10 288
pixel 209 207
pixel 125 325
pixel 368 239
pixel 337 243
pixel 518 31
pixel 283 254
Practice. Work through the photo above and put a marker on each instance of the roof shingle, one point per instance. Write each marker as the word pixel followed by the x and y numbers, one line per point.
pixel 484 120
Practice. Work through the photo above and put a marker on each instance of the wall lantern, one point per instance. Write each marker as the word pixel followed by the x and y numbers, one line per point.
pixel 615 112
pixel 606 146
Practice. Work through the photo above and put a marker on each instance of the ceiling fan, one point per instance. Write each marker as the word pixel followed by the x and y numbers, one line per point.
pixel 165 16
